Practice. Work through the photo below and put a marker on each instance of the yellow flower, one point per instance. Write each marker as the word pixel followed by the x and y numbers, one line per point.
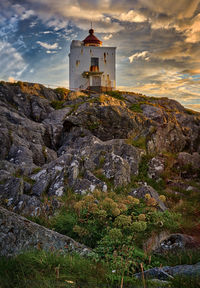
pixel 162 198
pixel 152 202
pixel 115 212
pixel 147 196
pixel 141 217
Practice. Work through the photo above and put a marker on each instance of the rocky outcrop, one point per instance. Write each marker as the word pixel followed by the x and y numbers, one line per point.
pixel 90 143
pixel 18 234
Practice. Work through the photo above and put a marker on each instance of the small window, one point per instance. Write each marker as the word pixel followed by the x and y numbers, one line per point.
pixel 94 67
pixel 94 61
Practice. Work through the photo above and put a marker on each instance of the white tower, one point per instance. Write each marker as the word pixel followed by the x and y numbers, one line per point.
pixel 91 66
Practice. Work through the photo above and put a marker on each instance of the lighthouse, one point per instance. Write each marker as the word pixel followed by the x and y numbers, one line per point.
pixel 91 65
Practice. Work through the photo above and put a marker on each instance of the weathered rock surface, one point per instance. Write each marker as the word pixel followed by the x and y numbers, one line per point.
pixel 84 145
pixel 18 234
pixel 156 167
pixel 144 190
pixel 176 242
pixel 168 272
pixel 189 160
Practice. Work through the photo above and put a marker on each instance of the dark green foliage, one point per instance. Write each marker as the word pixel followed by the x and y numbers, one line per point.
pixel 39 269
pixel 180 257
pixel 64 222
pixel 190 112
pixel 57 104
pixel 63 92
pixel 116 94
pixel 185 282
pixel 140 142
pixel 136 108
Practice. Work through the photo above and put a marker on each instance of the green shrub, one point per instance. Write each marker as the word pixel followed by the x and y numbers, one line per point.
pixel 57 104
pixel 64 222
pixel 115 94
pixel 140 142
pixel 63 92
pixel 136 108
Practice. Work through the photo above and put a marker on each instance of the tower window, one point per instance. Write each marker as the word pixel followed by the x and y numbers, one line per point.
pixel 94 61
pixel 94 64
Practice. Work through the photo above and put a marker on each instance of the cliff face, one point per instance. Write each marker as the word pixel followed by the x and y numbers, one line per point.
pixel 88 142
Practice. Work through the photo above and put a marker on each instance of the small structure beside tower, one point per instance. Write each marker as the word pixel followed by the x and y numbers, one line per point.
pixel 91 65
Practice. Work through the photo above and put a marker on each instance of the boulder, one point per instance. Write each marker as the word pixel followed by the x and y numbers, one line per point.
pixel 176 242
pixel 18 234
pixel 143 190
pixel 189 160
pixel 168 272
pixel 156 167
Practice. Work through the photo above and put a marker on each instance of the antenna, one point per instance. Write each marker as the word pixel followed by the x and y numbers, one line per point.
pixel 91 24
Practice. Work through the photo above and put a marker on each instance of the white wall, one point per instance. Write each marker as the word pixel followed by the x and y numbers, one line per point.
pixel 80 60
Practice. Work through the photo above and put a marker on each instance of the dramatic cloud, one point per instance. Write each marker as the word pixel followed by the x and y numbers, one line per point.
pixel 139 55
pixel 131 16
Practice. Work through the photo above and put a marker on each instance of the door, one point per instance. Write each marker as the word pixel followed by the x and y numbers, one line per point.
pixel 96 81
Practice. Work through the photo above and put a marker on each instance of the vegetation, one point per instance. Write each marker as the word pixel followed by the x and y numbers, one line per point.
pixel 140 142
pixel 63 92
pixel 39 269
pixel 116 94
pixel 57 104
pixel 136 108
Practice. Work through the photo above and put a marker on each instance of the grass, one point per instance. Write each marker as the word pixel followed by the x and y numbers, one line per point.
pixel 115 94
pixel 185 282
pixel 136 108
pixel 57 104
pixel 40 269
pixel 140 142
pixel 63 92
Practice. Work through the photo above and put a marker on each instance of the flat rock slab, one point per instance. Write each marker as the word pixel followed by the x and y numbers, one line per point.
pixel 168 272
pixel 18 234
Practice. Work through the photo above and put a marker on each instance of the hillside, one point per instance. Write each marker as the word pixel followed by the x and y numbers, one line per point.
pixel 119 173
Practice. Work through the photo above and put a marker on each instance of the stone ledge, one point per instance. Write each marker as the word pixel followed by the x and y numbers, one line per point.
pixel 18 234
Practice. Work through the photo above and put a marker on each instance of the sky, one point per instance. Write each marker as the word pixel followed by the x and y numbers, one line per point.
pixel 158 42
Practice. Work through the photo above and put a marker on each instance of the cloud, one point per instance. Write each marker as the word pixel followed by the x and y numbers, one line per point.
pixel 131 16
pixel 193 106
pixel 180 9
pixel 107 37
pixel 138 55
pixel 50 52
pixel 193 32
pixel 48 46
pixel 12 63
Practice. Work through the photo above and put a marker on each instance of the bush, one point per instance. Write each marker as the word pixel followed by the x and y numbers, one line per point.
pixel 64 222
pixel 136 108
pixel 115 94
pixel 63 92
pixel 57 104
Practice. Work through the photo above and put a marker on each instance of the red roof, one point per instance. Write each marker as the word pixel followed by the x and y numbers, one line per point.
pixel 92 40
